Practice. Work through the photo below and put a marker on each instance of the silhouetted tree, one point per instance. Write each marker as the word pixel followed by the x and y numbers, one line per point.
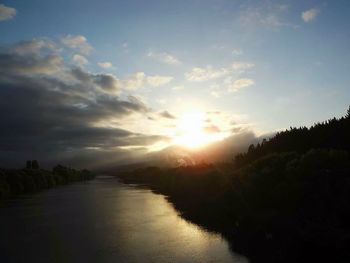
pixel 251 148
pixel 35 164
pixel 29 164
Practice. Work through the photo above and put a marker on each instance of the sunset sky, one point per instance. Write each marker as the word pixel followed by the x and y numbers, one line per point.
pixel 117 79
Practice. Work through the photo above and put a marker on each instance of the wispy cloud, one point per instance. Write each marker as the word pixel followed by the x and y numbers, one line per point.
pixel 212 129
pixel 140 79
pixel 242 66
pixel 125 47
pixel 105 65
pixel 158 80
pixel 164 58
pixel 240 84
pixel 6 12
pixel 237 52
pixel 198 74
pixel 161 101
pixel 134 81
pixel 78 43
pixel 215 94
pixel 310 15
pixel 270 16
pixel 179 87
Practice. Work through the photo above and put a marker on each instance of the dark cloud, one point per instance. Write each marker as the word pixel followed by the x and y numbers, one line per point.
pixel 33 46
pixel 29 64
pixel 166 114
pixel 237 129
pixel 105 82
pixel 51 112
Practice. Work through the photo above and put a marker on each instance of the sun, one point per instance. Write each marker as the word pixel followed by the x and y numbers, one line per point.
pixel 191 132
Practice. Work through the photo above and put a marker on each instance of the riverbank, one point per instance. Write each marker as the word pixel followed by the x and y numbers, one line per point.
pixel 14 182
pixel 285 207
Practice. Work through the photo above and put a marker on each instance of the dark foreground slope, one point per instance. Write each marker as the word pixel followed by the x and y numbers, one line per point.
pixel 282 206
pixel 15 182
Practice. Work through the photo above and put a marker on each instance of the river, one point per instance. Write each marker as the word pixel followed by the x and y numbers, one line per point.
pixel 103 221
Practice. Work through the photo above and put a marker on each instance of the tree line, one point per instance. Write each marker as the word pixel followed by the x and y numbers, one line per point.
pixel 330 134
pixel 14 182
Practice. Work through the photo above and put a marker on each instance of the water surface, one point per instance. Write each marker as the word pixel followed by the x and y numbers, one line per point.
pixel 103 221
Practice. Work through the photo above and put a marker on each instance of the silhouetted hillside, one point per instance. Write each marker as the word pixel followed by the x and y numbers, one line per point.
pixel 331 134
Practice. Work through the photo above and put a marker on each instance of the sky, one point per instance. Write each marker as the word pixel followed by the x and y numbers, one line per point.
pixel 109 81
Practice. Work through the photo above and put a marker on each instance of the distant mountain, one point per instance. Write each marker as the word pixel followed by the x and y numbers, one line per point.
pixel 176 155
pixel 220 151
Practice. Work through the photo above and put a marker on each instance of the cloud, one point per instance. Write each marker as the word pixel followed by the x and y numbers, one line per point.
pixel 78 43
pixel 51 111
pixel 106 83
pixel 138 101
pixel 134 81
pixel 164 58
pixel 237 52
pixel 25 61
pixel 267 15
pixel 34 46
pixel 240 84
pixel 198 74
pixel 79 60
pixel 242 66
pixel 105 65
pixel 212 129
pixel 167 115
pixel 219 151
pixel 157 80
pixel 161 101
pixel 139 79
pixel 6 12
pixel 125 47
pixel 215 94
pixel 310 15
pixel 179 87
pixel 273 21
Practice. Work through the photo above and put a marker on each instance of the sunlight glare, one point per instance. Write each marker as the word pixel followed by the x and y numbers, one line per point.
pixel 191 131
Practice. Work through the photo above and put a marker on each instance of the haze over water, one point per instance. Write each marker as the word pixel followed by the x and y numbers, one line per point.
pixel 103 221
